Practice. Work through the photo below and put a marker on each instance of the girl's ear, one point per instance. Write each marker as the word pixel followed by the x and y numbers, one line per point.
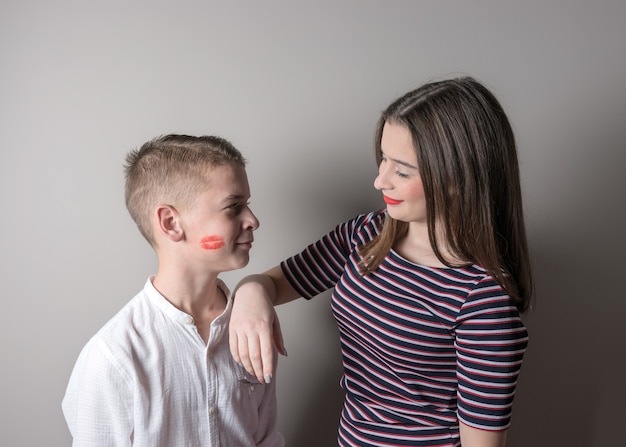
pixel 168 223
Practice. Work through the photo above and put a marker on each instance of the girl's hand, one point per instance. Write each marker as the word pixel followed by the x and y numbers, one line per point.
pixel 254 329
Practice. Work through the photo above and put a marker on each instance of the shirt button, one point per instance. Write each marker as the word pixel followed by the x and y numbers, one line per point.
pixel 212 410
pixel 189 320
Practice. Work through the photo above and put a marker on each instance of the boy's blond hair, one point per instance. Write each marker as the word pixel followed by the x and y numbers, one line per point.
pixel 172 170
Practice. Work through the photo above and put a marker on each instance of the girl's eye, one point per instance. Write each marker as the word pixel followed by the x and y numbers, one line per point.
pixel 402 174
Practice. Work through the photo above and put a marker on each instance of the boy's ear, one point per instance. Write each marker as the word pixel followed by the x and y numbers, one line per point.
pixel 168 223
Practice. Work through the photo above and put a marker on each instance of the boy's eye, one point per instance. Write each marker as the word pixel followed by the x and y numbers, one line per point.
pixel 237 207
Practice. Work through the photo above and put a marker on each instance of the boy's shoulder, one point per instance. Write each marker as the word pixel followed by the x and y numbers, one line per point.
pixel 136 312
pixel 136 309
pixel 114 346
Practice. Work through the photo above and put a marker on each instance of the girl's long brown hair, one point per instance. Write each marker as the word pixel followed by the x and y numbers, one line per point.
pixel 467 159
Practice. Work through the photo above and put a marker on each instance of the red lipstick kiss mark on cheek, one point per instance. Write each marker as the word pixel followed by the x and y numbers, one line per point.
pixel 212 242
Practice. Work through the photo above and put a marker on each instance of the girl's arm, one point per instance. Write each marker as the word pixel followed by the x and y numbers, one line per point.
pixel 254 327
pixel 474 437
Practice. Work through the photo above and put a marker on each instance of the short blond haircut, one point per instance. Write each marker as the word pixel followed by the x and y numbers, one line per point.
pixel 172 170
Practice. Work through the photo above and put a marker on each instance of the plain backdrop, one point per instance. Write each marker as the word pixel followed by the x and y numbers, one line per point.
pixel 297 87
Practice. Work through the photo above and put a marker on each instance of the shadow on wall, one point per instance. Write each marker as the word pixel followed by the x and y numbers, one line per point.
pixel 310 396
pixel 572 388
pixel 318 413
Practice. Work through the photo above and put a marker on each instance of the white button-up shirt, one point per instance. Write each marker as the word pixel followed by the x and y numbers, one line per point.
pixel 147 379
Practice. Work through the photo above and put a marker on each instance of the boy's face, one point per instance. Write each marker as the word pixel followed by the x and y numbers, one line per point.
pixel 218 228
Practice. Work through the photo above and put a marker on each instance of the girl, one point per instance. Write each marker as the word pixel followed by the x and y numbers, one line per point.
pixel 427 292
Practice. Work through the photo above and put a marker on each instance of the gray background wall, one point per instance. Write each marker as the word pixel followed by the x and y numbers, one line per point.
pixel 298 86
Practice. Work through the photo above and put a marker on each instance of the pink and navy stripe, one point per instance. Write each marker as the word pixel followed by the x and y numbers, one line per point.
pixel 422 347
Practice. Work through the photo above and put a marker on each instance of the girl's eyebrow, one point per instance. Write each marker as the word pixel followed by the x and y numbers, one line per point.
pixel 400 162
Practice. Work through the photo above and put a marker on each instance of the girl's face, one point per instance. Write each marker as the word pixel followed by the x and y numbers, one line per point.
pixel 398 176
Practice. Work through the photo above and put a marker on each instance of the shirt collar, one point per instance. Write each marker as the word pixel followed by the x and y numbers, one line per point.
pixel 175 313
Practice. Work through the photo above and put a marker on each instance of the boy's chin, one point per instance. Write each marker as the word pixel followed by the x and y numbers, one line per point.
pixel 238 264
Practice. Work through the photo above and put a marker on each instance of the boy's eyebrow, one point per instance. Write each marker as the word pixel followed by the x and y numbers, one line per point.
pixel 234 197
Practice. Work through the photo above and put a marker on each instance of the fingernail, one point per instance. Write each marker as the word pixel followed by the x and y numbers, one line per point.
pixel 268 378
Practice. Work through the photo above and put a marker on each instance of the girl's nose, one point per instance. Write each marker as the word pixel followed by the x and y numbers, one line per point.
pixel 381 181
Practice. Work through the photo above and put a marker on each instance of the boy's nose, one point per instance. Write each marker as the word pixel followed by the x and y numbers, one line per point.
pixel 252 223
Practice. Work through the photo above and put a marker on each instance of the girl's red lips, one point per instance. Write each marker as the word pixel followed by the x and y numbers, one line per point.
pixel 390 201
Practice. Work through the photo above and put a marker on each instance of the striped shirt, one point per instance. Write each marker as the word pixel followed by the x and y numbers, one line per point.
pixel 422 347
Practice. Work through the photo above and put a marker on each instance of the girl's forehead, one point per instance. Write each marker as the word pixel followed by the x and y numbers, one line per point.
pixel 397 144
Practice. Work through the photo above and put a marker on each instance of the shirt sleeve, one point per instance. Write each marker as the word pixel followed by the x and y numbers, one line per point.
pixel 319 266
pixel 490 344
pixel 97 401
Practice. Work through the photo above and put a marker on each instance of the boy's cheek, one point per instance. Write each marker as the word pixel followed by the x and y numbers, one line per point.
pixel 212 242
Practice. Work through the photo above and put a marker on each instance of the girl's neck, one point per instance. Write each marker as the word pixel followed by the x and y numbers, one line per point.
pixel 415 247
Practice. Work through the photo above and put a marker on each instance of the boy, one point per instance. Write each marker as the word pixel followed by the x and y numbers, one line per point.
pixel 160 372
